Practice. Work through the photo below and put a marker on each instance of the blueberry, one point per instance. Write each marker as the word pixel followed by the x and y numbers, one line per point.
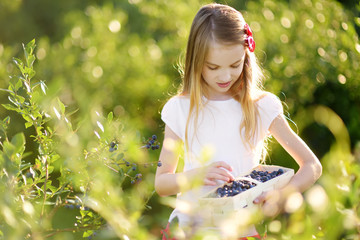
pixel 148 146
pixel 111 149
pixel 159 164
pixel 151 142
pixel 112 144
pixel 154 137
pixel 133 168
pixel 29 175
pixel 264 178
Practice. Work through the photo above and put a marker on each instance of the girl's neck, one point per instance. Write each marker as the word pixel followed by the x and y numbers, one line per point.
pixel 218 97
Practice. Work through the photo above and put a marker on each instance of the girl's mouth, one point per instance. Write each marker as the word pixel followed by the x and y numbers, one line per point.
pixel 224 85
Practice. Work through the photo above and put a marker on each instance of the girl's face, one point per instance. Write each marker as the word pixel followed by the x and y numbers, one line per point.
pixel 222 68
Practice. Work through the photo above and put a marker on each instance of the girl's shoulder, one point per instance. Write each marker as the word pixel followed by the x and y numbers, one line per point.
pixel 265 96
pixel 177 101
pixel 180 97
pixel 268 100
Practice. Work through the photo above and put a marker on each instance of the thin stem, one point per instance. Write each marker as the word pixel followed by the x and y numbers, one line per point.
pixel 56 231
pixel 46 179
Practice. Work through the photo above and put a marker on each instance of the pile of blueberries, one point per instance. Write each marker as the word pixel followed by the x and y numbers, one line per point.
pixel 263 176
pixel 234 188
pixel 238 186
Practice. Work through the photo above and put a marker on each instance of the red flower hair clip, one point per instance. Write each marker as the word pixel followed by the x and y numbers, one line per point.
pixel 249 41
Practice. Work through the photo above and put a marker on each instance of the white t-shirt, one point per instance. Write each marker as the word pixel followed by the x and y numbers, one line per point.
pixel 217 131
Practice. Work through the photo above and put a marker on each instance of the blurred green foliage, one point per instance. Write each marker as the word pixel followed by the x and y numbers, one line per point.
pixel 98 57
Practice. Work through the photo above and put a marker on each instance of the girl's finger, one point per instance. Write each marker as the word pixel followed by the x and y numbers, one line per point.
pixel 260 199
pixel 222 164
pixel 216 176
pixel 209 182
pixel 222 172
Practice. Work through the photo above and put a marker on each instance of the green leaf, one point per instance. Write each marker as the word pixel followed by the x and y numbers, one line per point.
pixel 49 186
pixel 18 62
pixel 7 90
pixel 62 106
pixel 43 87
pixel 88 233
pixel 19 142
pixel 18 84
pixel 20 99
pixel 121 172
pixel 28 51
pixel 7 120
pixel 120 156
pixel 62 191
pixel 110 116
pixel 71 113
pixel 8 149
pixel 29 72
pixel 20 65
pixel 50 169
pixel 28 88
pixel 12 108
pixel 13 101
pixel 24 166
pixel 30 45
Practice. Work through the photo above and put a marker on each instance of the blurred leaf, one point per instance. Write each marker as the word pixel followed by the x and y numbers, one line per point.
pixel 62 107
pixel 19 142
pixel 110 117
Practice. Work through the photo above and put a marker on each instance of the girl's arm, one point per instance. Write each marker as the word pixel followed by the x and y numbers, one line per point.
pixel 310 168
pixel 168 182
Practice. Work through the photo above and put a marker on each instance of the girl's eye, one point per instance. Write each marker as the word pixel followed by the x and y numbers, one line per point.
pixel 212 68
pixel 236 66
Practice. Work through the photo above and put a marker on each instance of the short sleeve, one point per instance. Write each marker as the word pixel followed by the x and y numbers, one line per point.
pixel 269 108
pixel 174 116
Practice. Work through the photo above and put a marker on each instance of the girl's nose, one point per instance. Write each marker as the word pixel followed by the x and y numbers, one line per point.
pixel 225 76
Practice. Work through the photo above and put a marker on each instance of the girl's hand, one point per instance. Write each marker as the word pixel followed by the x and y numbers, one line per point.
pixel 273 202
pixel 218 171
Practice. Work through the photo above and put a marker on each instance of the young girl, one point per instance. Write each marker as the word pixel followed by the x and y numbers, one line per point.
pixel 223 114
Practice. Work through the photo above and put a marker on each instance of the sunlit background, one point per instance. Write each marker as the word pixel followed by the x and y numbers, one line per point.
pixel 122 56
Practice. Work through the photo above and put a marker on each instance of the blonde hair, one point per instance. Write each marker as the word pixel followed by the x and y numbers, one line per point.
pixel 225 25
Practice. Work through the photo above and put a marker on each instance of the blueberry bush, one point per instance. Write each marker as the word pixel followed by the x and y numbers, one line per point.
pixel 89 184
